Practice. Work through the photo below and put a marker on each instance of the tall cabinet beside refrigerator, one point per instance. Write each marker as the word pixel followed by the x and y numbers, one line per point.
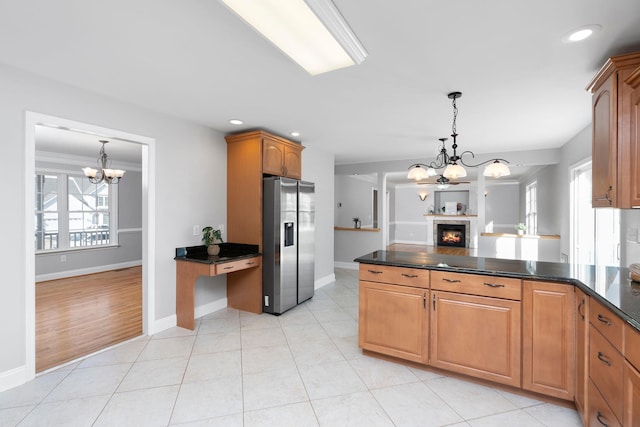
pixel 288 220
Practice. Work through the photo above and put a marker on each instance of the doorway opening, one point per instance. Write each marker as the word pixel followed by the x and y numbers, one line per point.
pixel 147 145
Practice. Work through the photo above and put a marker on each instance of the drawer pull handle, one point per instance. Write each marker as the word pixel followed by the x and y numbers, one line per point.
pixel 228 268
pixel 451 280
pixel 250 263
pixel 374 272
pixel 410 276
pixel 603 358
pixel 493 285
pixel 600 417
pixel 604 320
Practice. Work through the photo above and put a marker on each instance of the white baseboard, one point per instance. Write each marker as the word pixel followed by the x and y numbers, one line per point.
pixel 213 306
pixel 13 378
pixel 324 281
pixel 347 265
pixel 88 270
pixel 409 242
pixel 162 324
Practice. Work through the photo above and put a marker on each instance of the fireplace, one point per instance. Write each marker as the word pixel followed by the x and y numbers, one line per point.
pixel 452 235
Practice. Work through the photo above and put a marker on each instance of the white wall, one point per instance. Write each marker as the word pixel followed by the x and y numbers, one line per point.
pixel 317 167
pixel 354 194
pixel 190 189
pixel 502 207
pixel 408 222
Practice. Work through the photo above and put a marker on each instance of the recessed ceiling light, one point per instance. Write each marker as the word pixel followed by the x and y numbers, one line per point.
pixel 295 134
pixel 581 33
pixel 236 122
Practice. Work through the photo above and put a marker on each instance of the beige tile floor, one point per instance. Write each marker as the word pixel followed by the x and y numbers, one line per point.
pixel 303 368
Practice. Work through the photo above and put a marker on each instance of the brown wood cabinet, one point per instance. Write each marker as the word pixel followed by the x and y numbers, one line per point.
pixel 605 368
pixel 599 413
pixel 548 338
pixel 394 320
pixel 245 162
pixel 476 336
pixel 582 354
pixel 281 157
pixel 634 137
pixel 614 170
pixel 631 395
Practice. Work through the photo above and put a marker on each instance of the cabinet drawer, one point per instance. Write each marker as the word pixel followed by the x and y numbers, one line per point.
pixel 606 368
pixel 229 267
pixel 610 325
pixel 475 284
pixel 395 275
pixel 599 412
pixel 632 345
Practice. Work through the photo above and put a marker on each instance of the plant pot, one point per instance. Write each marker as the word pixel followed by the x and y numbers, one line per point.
pixel 520 232
pixel 213 249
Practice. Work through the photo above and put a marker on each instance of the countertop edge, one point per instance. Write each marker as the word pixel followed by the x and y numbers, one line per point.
pixel 222 261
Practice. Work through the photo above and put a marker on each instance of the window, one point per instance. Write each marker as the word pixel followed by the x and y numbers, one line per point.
pixel 73 213
pixel 531 208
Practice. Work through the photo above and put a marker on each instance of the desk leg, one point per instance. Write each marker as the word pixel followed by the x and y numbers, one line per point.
pixel 186 276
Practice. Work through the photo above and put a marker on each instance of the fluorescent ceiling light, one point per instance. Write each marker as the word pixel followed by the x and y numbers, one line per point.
pixel 311 32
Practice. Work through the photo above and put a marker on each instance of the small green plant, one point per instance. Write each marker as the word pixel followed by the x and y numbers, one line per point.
pixel 521 226
pixel 210 236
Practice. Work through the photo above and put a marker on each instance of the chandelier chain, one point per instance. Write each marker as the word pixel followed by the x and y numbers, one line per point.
pixel 455 115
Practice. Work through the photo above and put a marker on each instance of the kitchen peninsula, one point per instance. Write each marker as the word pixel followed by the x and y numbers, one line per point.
pixel 561 330
pixel 193 262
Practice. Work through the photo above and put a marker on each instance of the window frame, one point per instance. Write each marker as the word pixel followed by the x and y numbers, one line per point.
pixel 63 212
pixel 531 207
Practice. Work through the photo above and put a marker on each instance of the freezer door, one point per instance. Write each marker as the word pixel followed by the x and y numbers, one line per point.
pixel 279 244
pixel 306 240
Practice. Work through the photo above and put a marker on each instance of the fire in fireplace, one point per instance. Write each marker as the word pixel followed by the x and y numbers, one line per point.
pixel 451 235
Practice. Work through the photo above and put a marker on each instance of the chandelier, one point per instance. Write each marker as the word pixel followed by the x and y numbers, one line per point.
pixel 453 164
pixel 104 173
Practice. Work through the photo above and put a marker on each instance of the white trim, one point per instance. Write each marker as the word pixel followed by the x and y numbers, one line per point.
pixel 203 310
pixel 347 265
pixel 409 242
pixel 148 224
pixel 88 270
pixel 129 230
pixel 162 324
pixel 68 159
pixel 324 281
pixel 13 378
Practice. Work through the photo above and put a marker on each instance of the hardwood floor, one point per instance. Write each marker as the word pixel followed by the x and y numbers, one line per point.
pixel 81 315
pixel 432 249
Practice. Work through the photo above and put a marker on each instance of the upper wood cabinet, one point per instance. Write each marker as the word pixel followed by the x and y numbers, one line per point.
pixel 281 157
pixel 615 175
pixel 247 155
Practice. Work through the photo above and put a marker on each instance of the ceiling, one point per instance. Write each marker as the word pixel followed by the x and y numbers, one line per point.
pixel 523 88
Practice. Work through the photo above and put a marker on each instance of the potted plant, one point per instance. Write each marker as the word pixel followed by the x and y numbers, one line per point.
pixel 521 228
pixel 356 222
pixel 211 236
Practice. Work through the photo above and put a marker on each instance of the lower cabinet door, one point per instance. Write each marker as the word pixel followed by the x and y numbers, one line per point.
pixel 476 336
pixel 631 396
pixel 394 320
pixel 548 339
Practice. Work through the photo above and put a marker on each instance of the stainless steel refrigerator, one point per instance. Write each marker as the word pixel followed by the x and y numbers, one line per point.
pixel 287 243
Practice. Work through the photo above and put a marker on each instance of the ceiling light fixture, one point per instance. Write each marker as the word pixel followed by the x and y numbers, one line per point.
pixel 581 33
pixel 236 122
pixel 295 134
pixel 110 176
pixel 453 170
pixel 311 32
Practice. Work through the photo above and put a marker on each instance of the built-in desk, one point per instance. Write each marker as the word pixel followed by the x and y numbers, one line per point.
pixel 193 262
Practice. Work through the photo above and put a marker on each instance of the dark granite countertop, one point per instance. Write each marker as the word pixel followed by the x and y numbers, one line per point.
pixel 609 285
pixel 228 252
